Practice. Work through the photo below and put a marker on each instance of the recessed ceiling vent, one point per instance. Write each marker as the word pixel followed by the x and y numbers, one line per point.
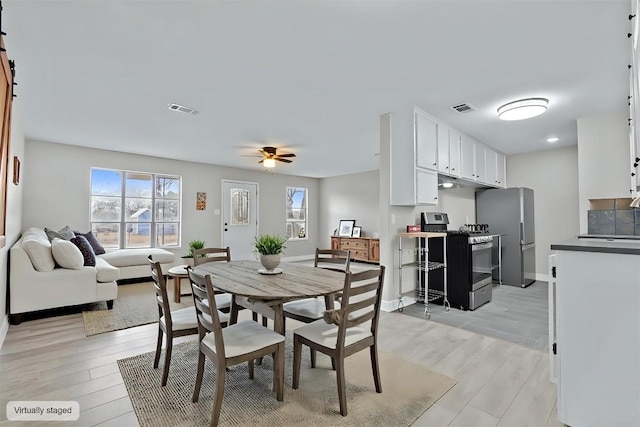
pixel 182 109
pixel 464 108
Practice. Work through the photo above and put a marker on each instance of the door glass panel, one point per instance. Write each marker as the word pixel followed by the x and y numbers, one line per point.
pixel 240 207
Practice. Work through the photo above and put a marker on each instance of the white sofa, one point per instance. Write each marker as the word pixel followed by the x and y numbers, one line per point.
pixel 33 290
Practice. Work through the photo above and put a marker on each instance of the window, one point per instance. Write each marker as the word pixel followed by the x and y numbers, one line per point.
pixel 296 213
pixel 135 209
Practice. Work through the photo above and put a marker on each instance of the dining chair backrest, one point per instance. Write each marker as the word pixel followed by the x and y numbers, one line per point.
pixel 333 259
pixel 206 309
pixel 204 255
pixel 160 286
pixel 361 299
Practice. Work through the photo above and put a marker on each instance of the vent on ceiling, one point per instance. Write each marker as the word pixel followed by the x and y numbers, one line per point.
pixel 182 109
pixel 464 108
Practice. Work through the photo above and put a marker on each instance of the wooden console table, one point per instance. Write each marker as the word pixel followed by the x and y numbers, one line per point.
pixel 362 248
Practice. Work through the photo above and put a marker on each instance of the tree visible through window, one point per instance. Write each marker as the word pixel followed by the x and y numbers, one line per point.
pixel 296 213
pixel 135 209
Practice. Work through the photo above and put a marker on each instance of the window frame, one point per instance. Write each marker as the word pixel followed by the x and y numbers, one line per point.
pixel 305 208
pixel 153 222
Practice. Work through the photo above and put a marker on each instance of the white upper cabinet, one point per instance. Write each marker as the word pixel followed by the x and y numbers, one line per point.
pixel 443 148
pixel 426 187
pixel 501 170
pixel 491 173
pixel 480 166
pixel 454 152
pixel 426 136
pixel 467 159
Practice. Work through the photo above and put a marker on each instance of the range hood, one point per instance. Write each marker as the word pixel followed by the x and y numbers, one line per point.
pixel 446 182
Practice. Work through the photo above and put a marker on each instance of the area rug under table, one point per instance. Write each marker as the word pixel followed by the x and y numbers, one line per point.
pixel 136 305
pixel 407 391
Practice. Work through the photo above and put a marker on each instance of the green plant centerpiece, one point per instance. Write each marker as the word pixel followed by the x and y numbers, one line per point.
pixel 270 247
pixel 193 245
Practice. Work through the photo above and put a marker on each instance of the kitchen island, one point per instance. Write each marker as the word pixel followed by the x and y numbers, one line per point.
pixel 594 330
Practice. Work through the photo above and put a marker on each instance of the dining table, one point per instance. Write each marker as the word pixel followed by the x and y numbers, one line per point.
pixel 266 293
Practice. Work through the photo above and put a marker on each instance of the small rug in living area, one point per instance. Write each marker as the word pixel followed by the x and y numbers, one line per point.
pixel 136 305
pixel 407 391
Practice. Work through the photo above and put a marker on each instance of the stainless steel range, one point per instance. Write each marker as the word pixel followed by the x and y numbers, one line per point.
pixel 469 261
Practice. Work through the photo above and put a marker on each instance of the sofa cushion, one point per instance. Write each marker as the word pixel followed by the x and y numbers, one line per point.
pixel 66 254
pixel 106 272
pixel 85 249
pixel 38 249
pixel 98 249
pixel 130 257
pixel 35 231
pixel 65 233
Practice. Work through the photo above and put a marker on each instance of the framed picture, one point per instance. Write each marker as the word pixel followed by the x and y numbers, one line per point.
pixel 356 231
pixel 201 201
pixel 346 227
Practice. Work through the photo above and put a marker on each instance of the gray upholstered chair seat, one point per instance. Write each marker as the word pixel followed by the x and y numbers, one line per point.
pixel 312 308
pixel 242 338
pixel 327 334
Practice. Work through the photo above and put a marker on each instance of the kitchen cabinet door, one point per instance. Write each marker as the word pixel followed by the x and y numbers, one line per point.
pixel 467 162
pixel 426 137
pixel 501 170
pixel 454 152
pixel 426 187
pixel 443 147
pixel 480 162
pixel 491 166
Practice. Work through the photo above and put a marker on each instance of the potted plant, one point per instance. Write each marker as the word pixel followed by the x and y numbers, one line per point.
pixel 270 247
pixel 193 245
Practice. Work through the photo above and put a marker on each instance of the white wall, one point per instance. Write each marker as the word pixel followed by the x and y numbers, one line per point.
pixel 57 192
pixel 353 196
pixel 553 176
pixel 14 210
pixel 603 159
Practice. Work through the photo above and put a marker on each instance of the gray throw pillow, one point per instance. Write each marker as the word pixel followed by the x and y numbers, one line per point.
pixel 65 233
pixel 98 249
pixel 85 248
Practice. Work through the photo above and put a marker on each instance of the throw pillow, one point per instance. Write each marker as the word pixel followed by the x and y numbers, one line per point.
pixel 98 249
pixel 39 251
pixel 64 233
pixel 85 248
pixel 66 254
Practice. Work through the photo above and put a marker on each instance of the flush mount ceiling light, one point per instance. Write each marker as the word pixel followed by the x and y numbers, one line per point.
pixel 269 163
pixel 523 109
pixel 553 139
pixel 447 184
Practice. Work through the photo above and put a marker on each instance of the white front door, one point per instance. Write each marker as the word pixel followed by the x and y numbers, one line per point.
pixel 239 218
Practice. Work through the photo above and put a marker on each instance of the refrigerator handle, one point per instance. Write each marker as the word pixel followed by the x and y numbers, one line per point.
pixel 521 232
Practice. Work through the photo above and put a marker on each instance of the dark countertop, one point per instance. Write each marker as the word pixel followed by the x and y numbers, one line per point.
pixel 603 244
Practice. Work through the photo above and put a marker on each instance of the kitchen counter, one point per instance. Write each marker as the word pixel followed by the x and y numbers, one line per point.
pixel 602 244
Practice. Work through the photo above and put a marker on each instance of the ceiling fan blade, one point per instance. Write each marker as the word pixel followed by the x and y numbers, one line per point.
pixel 286 155
pixel 283 160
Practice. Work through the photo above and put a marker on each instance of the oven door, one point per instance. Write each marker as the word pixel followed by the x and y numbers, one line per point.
pixel 481 264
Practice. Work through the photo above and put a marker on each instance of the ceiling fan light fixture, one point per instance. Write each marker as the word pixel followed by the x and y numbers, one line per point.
pixel 269 163
pixel 523 109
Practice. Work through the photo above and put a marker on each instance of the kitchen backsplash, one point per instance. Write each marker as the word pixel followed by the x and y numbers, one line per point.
pixel 613 217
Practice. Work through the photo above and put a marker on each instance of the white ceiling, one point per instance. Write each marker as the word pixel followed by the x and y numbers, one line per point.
pixel 311 77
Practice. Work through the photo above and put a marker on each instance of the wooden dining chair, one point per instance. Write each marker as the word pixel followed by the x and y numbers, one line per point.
pixel 223 299
pixel 343 332
pixel 175 323
pixel 311 309
pixel 205 255
pixel 238 343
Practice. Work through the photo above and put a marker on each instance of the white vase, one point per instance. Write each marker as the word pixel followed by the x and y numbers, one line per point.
pixel 269 262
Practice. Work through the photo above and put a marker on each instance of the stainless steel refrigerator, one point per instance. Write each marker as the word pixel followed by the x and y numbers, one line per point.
pixel 509 213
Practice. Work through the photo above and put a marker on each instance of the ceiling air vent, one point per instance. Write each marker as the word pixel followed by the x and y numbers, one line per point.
pixel 463 108
pixel 182 109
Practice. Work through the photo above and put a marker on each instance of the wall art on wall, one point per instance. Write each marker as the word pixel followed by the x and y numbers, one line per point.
pixel 201 201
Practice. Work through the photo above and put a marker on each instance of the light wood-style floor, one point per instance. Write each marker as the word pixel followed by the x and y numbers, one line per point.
pixel 499 383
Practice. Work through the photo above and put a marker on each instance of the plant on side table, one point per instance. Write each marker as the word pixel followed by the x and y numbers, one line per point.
pixel 193 245
pixel 270 247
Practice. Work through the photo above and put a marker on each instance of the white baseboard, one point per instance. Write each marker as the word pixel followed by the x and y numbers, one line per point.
pixel 393 305
pixel 4 328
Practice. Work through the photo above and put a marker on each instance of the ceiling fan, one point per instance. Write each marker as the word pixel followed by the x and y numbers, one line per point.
pixel 270 155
